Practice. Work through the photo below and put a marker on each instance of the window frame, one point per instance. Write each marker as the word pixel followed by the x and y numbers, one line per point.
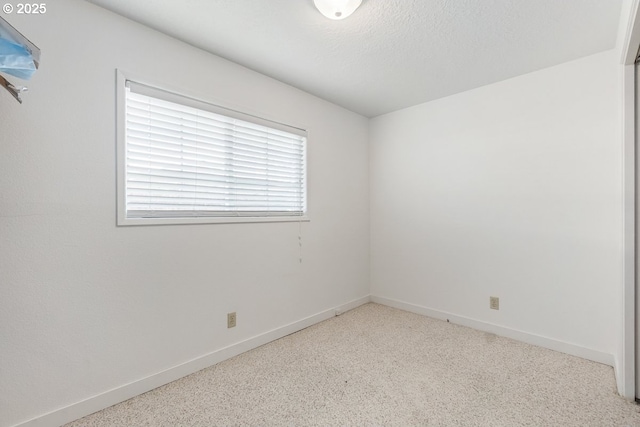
pixel 121 150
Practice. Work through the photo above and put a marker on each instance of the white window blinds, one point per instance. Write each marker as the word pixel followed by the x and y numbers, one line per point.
pixel 186 158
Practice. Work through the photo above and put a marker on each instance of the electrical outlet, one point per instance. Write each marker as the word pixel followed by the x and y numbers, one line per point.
pixel 231 320
pixel 494 303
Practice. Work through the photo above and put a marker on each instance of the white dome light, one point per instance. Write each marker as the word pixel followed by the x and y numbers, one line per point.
pixel 337 9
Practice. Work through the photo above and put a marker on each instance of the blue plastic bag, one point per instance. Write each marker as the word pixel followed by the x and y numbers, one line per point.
pixel 16 60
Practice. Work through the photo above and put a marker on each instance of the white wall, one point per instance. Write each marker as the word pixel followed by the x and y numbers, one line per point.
pixel 510 190
pixel 86 306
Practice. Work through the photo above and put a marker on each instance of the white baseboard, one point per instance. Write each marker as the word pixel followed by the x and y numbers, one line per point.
pixel 550 343
pixel 626 386
pixel 135 388
pixel 617 371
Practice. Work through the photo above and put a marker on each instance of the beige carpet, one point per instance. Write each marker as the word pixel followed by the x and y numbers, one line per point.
pixel 377 365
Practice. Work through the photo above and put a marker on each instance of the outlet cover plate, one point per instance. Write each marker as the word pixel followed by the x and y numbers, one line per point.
pixel 231 320
pixel 494 303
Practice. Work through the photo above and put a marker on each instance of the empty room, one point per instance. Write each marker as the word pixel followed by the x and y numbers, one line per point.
pixel 318 212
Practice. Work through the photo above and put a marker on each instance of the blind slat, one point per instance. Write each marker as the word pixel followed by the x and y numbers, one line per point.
pixel 160 155
pixel 156 94
pixel 201 135
pixel 177 119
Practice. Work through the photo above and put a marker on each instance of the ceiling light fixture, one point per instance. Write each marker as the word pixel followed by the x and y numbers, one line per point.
pixel 337 9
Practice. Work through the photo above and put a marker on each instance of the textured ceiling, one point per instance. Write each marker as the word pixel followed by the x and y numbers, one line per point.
pixel 390 54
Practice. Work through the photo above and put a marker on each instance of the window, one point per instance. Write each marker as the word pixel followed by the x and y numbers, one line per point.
pixel 186 161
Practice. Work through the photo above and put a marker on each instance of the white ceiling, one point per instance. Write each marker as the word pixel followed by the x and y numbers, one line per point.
pixel 390 54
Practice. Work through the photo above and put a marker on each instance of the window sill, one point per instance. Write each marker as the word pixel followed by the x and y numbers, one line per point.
pixel 208 220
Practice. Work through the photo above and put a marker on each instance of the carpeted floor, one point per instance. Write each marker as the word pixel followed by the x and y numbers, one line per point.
pixel 376 365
